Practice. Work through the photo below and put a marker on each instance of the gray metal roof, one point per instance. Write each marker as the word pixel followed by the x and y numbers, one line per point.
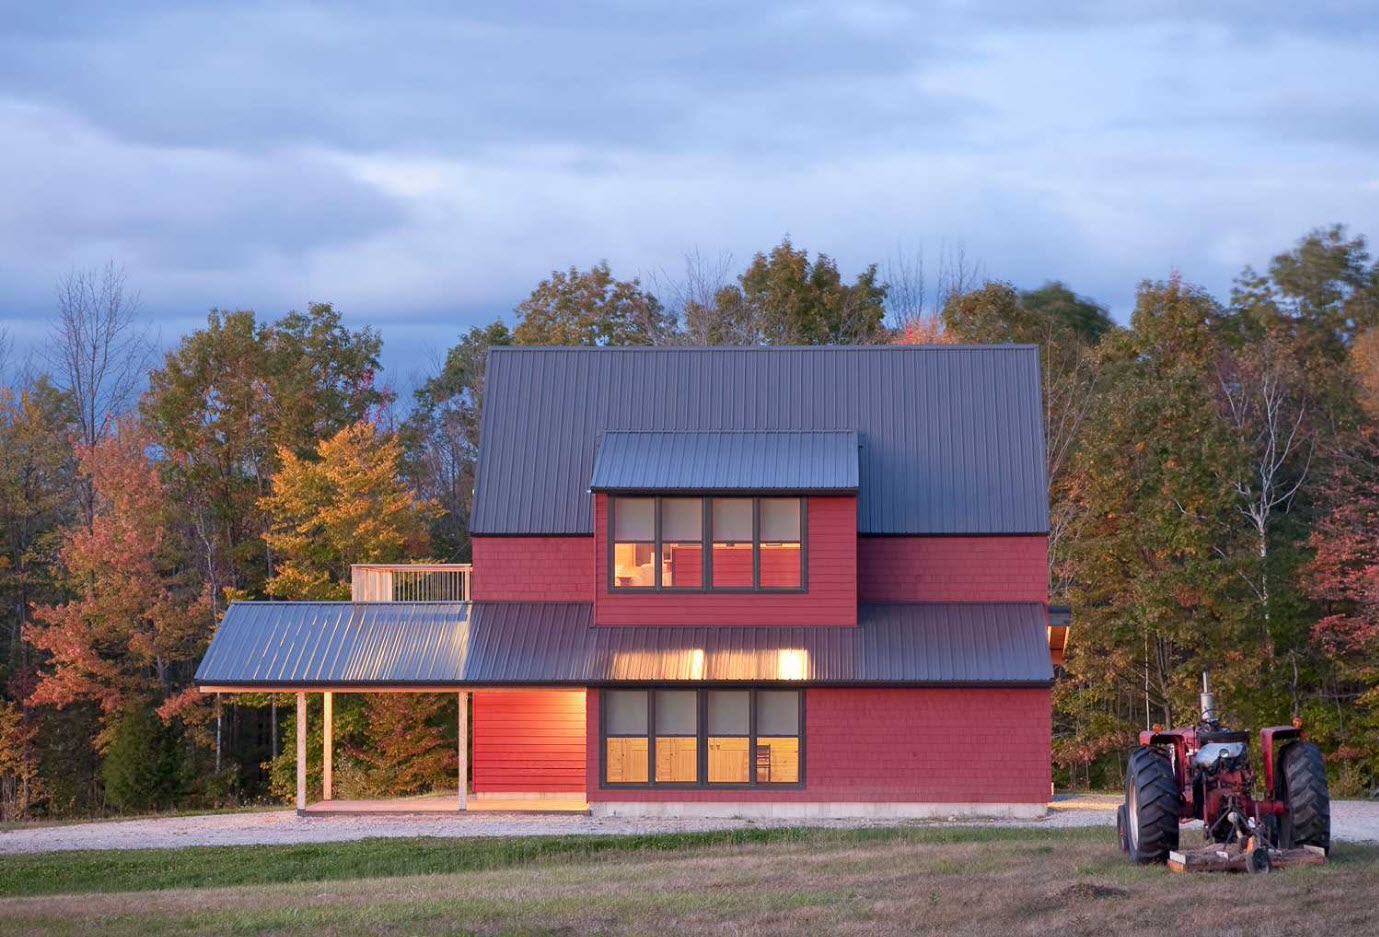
pixel 436 644
pixel 726 461
pixel 952 437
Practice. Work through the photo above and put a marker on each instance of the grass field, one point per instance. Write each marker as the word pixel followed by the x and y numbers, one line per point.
pixel 788 882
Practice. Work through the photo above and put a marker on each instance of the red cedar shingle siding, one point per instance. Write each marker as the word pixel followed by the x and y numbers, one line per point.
pixel 831 599
pixel 953 569
pixel 529 741
pixel 959 746
pixel 533 569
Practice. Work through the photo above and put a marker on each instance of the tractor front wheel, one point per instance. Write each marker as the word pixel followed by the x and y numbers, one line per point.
pixel 1305 790
pixel 1151 806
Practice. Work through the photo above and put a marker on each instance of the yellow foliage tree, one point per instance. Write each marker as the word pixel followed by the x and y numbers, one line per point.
pixel 350 505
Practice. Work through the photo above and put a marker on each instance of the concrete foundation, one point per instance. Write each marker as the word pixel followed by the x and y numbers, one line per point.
pixel 816 811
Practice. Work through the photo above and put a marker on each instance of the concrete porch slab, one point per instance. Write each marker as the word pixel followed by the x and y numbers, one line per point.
pixel 443 804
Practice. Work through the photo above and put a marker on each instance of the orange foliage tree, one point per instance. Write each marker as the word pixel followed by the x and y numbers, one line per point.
pixel 351 505
pixel 141 618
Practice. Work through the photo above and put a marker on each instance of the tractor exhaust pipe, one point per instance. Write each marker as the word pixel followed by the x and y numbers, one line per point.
pixel 1208 704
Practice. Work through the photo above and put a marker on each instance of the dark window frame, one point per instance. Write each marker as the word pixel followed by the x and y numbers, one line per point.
pixel 702 746
pixel 706 540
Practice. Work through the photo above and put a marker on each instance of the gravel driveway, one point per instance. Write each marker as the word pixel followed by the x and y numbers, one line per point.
pixel 1352 821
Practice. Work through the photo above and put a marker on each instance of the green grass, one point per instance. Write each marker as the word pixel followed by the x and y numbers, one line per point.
pixel 907 882
pixel 68 873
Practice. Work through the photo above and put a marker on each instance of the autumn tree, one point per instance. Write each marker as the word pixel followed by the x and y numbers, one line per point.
pixel 98 351
pixel 441 436
pixel 1344 577
pixel 233 395
pixel 784 298
pixel 39 488
pixel 590 307
pixel 1067 328
pixel 1152 567
pixel 347 505
pixel 409 743
pixel 141 617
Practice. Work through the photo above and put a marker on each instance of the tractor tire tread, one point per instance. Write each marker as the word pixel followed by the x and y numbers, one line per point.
pixel 1159 800
pixel 1308 822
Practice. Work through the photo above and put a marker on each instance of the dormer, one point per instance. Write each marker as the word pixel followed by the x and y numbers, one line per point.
pixel 718 527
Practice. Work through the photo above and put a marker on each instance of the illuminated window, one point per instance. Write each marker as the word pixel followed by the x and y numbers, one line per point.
pixel 778 737
pixel 703 738
pixel 682 543
pixel 730 736
pixel 634 543
pixel 780 543
pixel 625 745
pixel 677 736
pixel 698 544
pixel 733 554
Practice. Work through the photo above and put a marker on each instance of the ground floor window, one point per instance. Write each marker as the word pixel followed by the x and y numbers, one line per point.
pixel 702 738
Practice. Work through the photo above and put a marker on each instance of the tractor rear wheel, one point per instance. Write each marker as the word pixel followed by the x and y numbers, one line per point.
pixel 1151 806
pixel 1305 790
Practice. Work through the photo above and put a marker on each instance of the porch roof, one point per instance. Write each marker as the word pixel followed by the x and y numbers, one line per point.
pixel 414 645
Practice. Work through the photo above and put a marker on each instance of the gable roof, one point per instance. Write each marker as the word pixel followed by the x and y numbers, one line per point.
pixel 323 645
pixel 778 460
pixel 952 437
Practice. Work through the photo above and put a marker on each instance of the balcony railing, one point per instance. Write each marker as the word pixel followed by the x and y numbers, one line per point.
pixel 410 582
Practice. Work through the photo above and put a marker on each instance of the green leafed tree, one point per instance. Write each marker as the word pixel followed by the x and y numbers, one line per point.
pixel 1067 328
pixel 441 437
pixel 1154 567
pixel 784 298
pixel 235 394
pixel 590 307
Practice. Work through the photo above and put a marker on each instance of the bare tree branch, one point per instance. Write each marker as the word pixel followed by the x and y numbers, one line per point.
pixel 99 351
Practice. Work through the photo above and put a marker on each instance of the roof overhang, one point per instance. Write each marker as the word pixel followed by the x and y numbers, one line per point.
pixel 784 462
pixel 416 646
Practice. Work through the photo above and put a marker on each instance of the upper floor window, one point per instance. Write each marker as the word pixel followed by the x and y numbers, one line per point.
pixel 699 544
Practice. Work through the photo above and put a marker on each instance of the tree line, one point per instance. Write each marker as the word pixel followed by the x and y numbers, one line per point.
pixel 1214 470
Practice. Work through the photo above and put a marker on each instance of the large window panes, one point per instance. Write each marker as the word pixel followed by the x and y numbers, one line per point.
pixel 634 543
pixel 677 736
pixel 781 543
pixel 682 543
pixel 734 559
pixel 729 718
pixel 778 737
pixel 625 726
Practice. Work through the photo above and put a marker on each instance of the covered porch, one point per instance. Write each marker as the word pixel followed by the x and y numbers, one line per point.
pixel 544 726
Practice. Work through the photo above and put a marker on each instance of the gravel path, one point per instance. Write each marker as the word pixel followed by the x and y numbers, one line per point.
pixel 1352 821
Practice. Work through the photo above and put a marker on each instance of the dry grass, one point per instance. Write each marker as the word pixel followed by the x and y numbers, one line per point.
pixel 1065 883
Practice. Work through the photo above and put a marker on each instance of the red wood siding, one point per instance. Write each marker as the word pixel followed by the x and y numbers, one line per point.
pixel 533 569
pixel 528 741
pixel 832 582
pixel 959 746
pixel 953 569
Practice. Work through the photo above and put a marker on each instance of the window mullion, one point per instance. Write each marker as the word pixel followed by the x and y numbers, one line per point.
pixel 650 738
pixel 756 544
pixel 752 737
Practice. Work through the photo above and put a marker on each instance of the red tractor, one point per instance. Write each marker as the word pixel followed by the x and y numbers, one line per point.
pixel 1204 773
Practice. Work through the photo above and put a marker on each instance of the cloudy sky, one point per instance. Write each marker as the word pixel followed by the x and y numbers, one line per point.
pixel 423 167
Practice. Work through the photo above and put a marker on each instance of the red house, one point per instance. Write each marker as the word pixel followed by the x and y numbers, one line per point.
pixel 713 581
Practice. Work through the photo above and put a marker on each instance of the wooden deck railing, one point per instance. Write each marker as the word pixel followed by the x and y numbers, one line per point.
pixel 410 582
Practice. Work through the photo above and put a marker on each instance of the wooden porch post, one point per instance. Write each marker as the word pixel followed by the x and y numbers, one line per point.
pixel 464 751
pixel 327 743
pixel 301 752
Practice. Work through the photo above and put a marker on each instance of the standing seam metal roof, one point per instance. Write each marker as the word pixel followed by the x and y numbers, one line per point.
pixel 398 644
pixel 952 436
pixel 726 461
